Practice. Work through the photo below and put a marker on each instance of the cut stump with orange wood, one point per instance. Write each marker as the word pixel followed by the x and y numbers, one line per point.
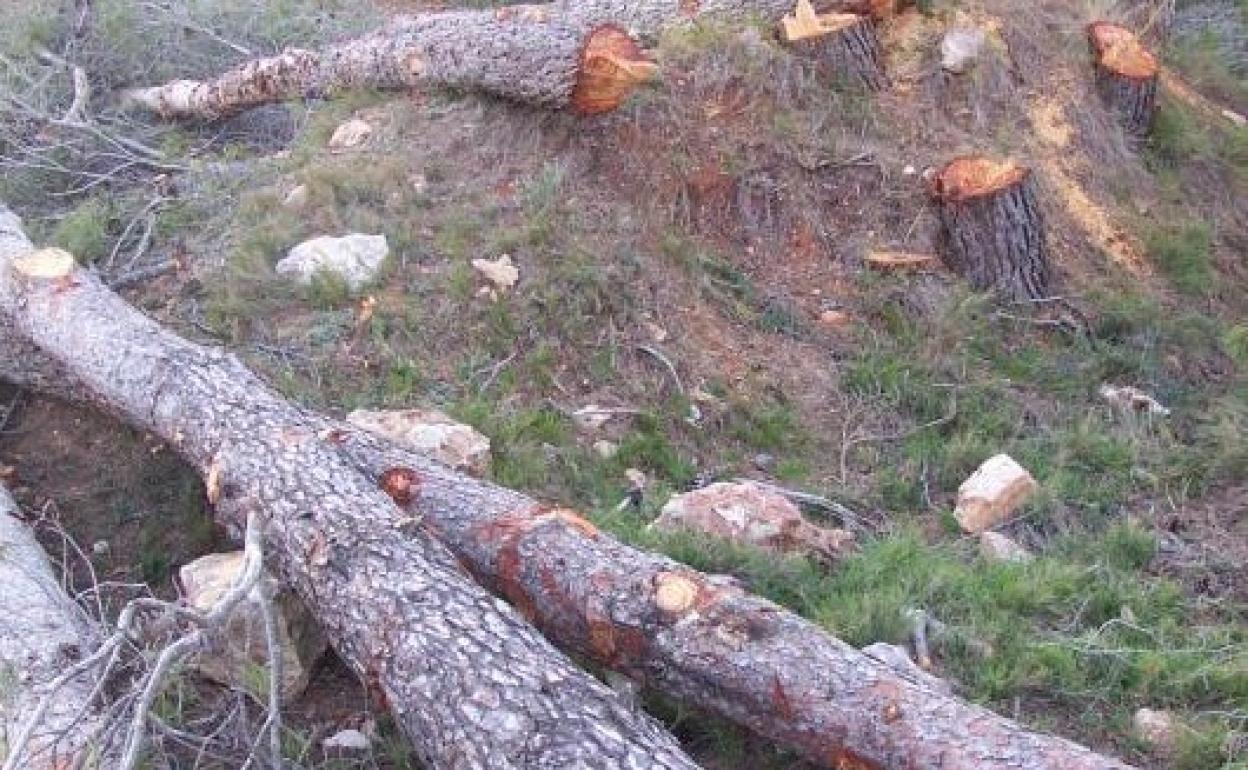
pixel 1126 76
pixel 844 44
pixel 992 230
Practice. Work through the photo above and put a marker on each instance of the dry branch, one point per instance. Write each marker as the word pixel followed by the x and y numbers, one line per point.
pixel 1126 76
pixel 699 639
pixel 525 57
pixel 992 230
pixel 468 681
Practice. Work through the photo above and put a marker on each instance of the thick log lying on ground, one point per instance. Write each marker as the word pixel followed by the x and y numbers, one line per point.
pixel 526 57
pixel 844 44
pixel 469 682
pixel 1126 76
pixel 41 633
pixel 991 228
pixel 691 636
pixel 649 17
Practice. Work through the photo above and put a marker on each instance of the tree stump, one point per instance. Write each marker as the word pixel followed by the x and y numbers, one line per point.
pixel 844 44
pixel 1126 76
pixel 992 231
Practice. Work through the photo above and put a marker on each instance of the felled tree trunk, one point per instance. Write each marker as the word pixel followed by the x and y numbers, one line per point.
pixel 522 56
pixel 469 682
pixel 689 635
pixel 42 632
pixel 844 44
pixel 1126 76
pixel 992 231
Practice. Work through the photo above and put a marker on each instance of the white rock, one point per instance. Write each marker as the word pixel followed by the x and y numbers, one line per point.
pixel 605 449
pixel 992 493
pixel 500 272
pixel 959 49
pixel 429 432
pixel 997 547
pixel 591 417
pixel 347 740
pixel 353 133
pixel 101 548
pixel 1156 728
pixel 236 651
pixel 1132 400
pixel 297 198
pixel 355 257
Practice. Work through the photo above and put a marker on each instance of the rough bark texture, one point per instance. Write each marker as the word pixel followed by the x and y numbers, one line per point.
pixel 1126 77
pixel 992 231
pixel 649 17
pixel 847 47
pixel 471 684
pixel 521 56
pixel 41 633
pixel 691 636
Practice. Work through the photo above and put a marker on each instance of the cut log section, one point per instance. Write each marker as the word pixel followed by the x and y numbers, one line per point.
pixel 1126 76
pixel 649 17
pixel 844 44
pixel 42 632
pixel 519 56
pixel 991 227
pixel 468 681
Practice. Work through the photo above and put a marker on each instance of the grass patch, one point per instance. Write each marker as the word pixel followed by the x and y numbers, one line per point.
pixel 1184 254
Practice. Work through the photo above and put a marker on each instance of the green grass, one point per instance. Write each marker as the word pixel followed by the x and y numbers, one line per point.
pixel 1183 253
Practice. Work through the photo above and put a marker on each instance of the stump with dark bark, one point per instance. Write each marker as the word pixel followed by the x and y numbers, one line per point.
pixel 844 44
pixel 1126 76
pixel 992 230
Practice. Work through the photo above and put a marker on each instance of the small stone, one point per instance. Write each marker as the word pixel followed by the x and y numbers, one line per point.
pixel 605 449
pixel 500 272
pixel 429 432
pixel 1156 728
pixel 909 170
pixel 960 48
pixel 418 182
pixel 347 740
pixel 297 198
pixel 763 461
pixel 356 257
pixel 657 333
pixel 591 417
pixel 353 133
pixel 834 319
pixel 1132 400
pixel 995 546
pixel 101 548
pixel 992 493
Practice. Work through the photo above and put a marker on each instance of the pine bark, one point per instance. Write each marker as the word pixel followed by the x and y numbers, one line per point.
pixel 991 227
pixel 42 632
pixel 694 637
pixel 1126 77
pixel 468 681
pixel 849 50
pixel 650 17
pixel 527 57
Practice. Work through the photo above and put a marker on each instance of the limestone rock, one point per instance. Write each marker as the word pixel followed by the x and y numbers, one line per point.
pixel 347 740
pixel 357 258
pixel 1156 728
pixel 500 272
pixel 997 547
pixel 240 647
pixel 431 433
pixel 1131 400
pixel 992 493
pixel 605 449
pixel 960 48
pixel 751 514
pixel 353 133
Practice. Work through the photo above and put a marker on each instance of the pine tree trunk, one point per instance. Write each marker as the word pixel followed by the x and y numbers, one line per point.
pixel 992 231
pixel 469 682
pixel 1126 77
pixel 844 44
pixel 691 636
pixel 42 632
pixel 520 56
pixel 649 17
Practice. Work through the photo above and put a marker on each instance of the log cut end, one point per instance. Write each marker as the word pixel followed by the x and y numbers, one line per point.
pixel 45 263
pixel 1120 52
pixel 844 44
pixel 975 176
pixel 611 66
pixel 804 23
pixel 674 593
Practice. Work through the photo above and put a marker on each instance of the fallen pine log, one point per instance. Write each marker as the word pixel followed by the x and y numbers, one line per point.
pixel 42 631
pixel 650 17
pixel 468 681
pixel 525 57
pixel 688 635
